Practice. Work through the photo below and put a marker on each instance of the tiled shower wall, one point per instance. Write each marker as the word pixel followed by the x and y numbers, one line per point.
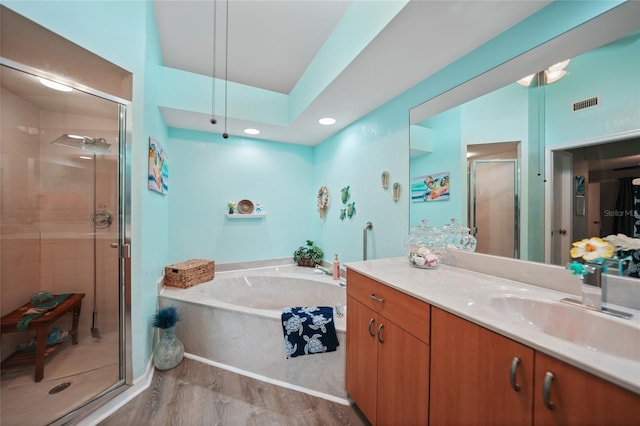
pixel 46 204
pixel 19 208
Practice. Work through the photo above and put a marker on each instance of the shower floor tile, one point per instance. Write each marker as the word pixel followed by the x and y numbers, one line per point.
pixel 90 367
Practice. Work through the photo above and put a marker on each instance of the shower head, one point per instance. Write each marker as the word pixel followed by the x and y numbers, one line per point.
pixel 83 142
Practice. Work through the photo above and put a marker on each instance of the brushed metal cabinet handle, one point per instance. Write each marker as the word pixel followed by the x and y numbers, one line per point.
pixel 377 299
pixel 380 339
pixel 371 322
pixel 512 374
pixel 546 390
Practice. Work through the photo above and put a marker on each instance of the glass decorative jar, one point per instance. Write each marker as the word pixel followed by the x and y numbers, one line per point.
pixel 170 350
pixel 458 236
pixel 425 246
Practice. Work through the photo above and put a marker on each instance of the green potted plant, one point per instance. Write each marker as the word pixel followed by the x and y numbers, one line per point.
pixel 231 206
pixel 308 255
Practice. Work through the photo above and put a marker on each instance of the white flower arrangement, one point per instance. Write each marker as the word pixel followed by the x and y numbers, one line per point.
pixel 592 249
pixel 623 242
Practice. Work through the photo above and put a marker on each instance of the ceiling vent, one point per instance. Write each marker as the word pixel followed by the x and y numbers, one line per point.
pixel 587 103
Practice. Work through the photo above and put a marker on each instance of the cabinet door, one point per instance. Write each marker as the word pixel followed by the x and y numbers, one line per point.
pixel 403 377
pixel 579 398
pixel 470 375
pixel 362 358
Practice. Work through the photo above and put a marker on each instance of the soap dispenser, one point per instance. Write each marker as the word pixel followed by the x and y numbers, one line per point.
pixel 336 267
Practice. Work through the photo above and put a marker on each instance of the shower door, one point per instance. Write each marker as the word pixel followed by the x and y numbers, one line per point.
pixel 493 206
pixel 61 232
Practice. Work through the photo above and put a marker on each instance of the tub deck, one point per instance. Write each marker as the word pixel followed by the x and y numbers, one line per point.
pixel 250 341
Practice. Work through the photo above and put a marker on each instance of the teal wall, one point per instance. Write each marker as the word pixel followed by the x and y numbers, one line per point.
pixel 611 72
pixel 500 116
pixel 356 157
pixel 207 172
pixel 447 156
pixel 149 209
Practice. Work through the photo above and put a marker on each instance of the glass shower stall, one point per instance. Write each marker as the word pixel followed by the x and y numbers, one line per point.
pixel 61 233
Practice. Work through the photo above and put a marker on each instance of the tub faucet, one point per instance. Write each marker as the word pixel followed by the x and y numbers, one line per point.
pixel 319 269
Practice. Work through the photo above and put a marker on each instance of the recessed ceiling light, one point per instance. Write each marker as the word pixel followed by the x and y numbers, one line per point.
pixel 327 121
pixel 84 157
pixel 53 85
pixel 252 131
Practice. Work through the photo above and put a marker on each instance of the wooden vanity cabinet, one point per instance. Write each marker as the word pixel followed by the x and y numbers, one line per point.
pixel 472 384
pixel 580 398
pixel 471 375
pixel 362 357
pixel 387 366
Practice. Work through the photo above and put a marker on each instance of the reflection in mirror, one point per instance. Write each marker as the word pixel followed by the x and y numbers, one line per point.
pixel 593 193
pixel 494 182
pixel 585 124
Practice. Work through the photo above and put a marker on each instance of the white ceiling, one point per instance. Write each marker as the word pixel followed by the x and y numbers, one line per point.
pixel 271 43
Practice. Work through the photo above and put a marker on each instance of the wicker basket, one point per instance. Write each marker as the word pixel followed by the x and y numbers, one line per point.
pixel 189 273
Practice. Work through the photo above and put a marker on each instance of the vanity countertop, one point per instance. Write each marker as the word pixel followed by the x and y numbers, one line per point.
pixel 468 294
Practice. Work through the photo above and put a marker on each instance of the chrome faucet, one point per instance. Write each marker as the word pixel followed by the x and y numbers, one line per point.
pixel 594 288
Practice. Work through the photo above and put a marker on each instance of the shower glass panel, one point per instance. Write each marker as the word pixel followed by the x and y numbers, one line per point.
pixel 59 233
pixel 494 206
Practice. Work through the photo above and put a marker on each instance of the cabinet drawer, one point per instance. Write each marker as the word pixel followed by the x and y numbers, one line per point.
pixel 409 313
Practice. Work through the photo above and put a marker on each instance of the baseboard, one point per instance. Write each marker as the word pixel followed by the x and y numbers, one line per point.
pixel 136 388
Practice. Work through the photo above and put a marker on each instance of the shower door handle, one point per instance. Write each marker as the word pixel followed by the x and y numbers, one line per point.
pixel 126 249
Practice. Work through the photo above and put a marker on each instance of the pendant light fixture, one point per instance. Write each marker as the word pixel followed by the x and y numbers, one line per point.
pixel 213 119
pixel 226 68
pixel 542 78
pixel 540 105
pixel 213 72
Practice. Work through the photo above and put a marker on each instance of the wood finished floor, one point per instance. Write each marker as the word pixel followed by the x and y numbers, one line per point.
pixel 195 393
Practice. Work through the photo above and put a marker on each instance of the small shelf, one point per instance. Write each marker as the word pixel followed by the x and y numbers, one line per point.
pixel 246 216
pixel 28 357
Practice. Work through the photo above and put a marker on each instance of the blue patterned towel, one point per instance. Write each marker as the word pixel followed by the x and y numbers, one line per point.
pixel 308 330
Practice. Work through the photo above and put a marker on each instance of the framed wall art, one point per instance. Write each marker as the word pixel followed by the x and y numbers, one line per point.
pixel 158 167
pixel 430 187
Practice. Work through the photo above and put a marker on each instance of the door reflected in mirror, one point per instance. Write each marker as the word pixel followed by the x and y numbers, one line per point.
pixel 494 182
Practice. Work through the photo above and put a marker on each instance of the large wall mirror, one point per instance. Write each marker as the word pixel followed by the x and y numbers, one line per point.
pixel 536 164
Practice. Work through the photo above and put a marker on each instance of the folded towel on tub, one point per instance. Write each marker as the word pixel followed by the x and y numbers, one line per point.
pixel 308 330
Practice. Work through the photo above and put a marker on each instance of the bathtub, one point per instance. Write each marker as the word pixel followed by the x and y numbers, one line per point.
pixel 233 322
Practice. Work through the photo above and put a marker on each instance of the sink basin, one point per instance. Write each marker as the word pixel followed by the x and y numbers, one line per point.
pixel 593 330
